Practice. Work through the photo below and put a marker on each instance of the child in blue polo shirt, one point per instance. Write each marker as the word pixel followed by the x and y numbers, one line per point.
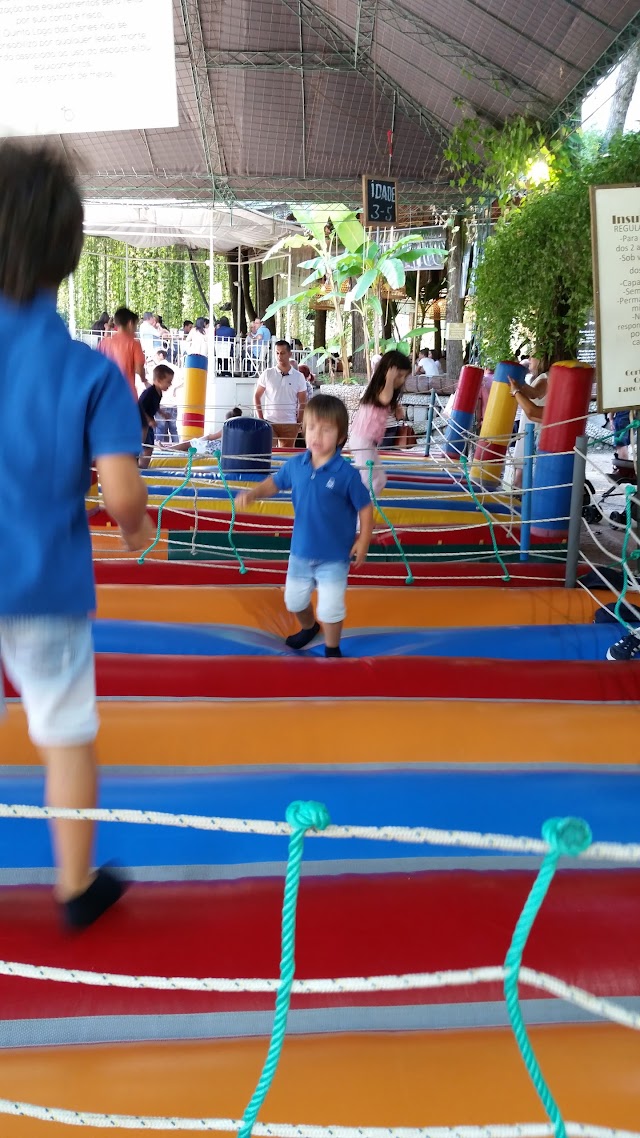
pixel 61 405
pixel 328 499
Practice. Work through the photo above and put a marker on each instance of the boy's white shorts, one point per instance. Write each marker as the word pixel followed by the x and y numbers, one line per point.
pixel 50 662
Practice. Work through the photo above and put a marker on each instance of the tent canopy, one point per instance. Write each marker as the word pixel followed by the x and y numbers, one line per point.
pixel 145 225
pixel 292 100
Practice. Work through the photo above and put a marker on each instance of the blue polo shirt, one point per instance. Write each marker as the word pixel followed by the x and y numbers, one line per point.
pixel 326 502
pixel 61 404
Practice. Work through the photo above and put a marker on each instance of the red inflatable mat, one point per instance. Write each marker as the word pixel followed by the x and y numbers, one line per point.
pixel 415 677
pixel 587 934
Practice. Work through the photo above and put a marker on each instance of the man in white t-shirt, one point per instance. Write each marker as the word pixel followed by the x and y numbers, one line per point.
pixel 284 391
pixel 428 364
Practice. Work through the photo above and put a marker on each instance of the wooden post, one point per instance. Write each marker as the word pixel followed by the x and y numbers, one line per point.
pixel 415 320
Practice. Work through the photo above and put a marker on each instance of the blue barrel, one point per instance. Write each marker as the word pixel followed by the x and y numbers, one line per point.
pixel 246 447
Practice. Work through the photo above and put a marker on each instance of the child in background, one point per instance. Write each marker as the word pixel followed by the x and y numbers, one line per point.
pixel 85 412
pixel 201 445
pixel 124 349
pixel 328 501
pixel 149 407
pixel 370 421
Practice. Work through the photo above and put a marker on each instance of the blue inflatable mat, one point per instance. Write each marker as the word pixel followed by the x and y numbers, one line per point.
pixel 504 801
pixel 521 642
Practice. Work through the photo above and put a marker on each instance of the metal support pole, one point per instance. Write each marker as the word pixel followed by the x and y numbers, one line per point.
pixel 414 344
pixel 289 286
pixel 527 485
pixel 126 276
pixel 575 516
pixel 432 407
pixel 72 307
pixel 211 279
pixel 239 322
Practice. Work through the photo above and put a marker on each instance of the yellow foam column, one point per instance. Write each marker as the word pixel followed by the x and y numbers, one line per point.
pixel 195 395
pixel 497 426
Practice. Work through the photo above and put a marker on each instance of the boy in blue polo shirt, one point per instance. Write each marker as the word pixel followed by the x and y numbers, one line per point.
pixel 61 405
pixel 328 499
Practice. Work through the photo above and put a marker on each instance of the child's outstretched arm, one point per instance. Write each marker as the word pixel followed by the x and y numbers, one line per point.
pixel 266 489
pixel 363 540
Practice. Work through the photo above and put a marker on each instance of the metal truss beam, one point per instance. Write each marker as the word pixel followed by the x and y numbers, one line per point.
pixel 211 146
pixel 278 60
pixel 197 188
pixel 366 11
pixel 454 51
pixel 603 66
pixel 337 41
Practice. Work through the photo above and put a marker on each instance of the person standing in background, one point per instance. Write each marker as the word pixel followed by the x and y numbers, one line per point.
pixel 124 350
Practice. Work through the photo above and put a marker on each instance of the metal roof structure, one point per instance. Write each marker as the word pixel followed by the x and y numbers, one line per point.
pixel 292 100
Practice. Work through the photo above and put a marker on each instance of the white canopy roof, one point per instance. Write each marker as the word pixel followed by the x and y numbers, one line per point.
pixel 151 224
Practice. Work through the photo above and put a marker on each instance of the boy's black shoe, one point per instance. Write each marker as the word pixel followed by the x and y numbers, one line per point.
pixel 627 648
pixel 332 653
pixel 105 889
pixel 303 637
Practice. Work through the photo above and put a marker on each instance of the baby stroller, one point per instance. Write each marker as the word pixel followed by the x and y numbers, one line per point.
pixel 623 474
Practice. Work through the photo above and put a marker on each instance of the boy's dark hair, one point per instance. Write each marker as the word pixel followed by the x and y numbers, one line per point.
pixel 223 322
pixel 379 378
pixel 234 413
pixel 124 316
pixel 332 410
pixel 41 219
pixel 163 372
pixel 187 322
pixel 283 344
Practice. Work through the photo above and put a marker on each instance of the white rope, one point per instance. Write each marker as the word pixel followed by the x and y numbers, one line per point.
pixel 417 835
pixel 303 1130
pixel 418 981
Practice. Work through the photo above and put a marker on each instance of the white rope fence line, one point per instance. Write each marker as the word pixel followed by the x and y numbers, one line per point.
pixel 418 981
pixel 419 835
pixel 303 1130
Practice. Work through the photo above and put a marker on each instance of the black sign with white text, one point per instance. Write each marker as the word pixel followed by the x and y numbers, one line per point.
pixel 380 201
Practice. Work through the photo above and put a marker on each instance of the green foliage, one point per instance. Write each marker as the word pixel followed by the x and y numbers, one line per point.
pixel 501 162
pixel 160 280
pixel 535 276
pixel 346 256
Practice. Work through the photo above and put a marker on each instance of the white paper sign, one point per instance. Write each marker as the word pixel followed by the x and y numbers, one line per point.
pixel 70 66
pixel 615 222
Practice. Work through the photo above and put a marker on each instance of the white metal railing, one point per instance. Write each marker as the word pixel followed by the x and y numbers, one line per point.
pixel 240 356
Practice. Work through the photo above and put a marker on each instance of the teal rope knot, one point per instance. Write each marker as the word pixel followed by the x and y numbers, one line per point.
pixel 301 816
pixel 191 453
pixel 307 816
pixel 568 836
pixel 409 578
pixel 565 836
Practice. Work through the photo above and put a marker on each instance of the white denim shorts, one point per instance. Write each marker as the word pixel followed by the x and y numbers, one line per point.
pixel 328 577
pixel 50 662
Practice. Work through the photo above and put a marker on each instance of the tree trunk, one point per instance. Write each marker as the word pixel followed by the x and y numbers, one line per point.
pixel 320 328
pixel 234 277
pixel 437 338
pixel 198 282
pixel 625 87
pixel 266 297
pixel 249 306
pixel 455 303
pixel 358 336
pixel 389 313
